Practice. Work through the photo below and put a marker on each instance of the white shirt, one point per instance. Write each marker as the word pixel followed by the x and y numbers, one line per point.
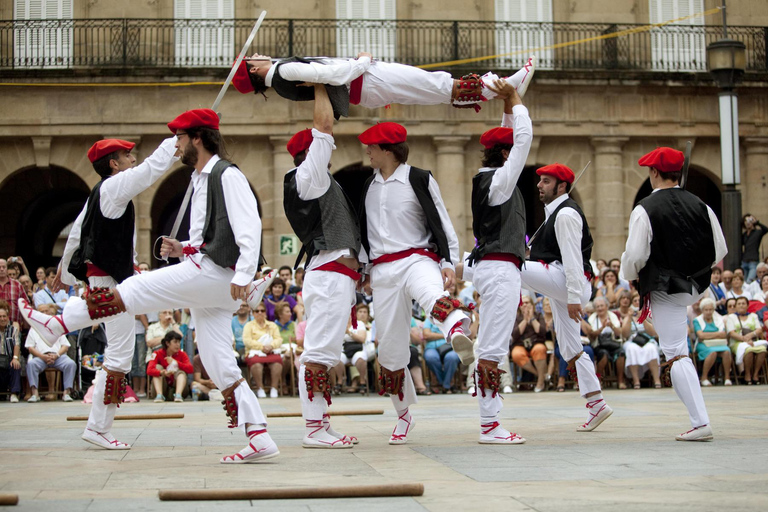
pixel 505 180
pixel 312 181
pixel 35 341
pixel 638 248
pixel 243 218
pixel 396 221
pixel 324 71
pixel 568 228
pixel 115 194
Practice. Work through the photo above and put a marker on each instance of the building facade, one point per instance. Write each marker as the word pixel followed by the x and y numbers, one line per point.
pixel 74 71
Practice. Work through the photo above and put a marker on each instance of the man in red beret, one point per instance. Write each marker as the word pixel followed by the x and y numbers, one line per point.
pixel 372 84
pixel 100 251
pixel 674 241
pixel 324 219
pixel 559 268
pixel 411 247
pixel 216 272
pixel 498 222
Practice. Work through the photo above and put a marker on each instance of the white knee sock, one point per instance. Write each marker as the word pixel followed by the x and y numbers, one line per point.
pixel 688 389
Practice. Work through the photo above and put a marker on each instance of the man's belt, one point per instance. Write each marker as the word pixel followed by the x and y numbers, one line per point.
pixel 388 258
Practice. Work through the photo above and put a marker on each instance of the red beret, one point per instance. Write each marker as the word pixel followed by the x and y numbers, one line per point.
pixel 200 117
pixel 241 81
pixel 106 146
pixel 499 135
pixel 300 142
pixel 663 159
pixel 383 133
pixel 559 171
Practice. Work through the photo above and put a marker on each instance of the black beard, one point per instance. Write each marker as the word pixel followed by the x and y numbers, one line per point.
pixel 189 156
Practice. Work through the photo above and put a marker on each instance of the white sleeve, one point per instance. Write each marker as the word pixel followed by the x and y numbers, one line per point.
pixel 244 219
pixel 721 249
pixel 117 191
pixel 333 72
pixel 508 120
pixel 568 228
pixel 505 178
pixel 445 219
pixel 312 176
pixel 73 242
pixel 638 248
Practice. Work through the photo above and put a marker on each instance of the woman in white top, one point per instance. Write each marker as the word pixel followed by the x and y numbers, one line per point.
pixel 737 289
pixel 710 331
pixel 640 350
pixel 750 347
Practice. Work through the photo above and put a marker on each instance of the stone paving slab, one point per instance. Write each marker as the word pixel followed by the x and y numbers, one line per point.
pixel 631 463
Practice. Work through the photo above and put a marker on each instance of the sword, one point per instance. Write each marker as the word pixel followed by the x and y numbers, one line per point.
pixel 530 240
pixel 684 177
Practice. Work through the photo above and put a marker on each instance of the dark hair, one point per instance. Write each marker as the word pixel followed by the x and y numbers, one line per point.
pixel 101 166
pixel 276 282
pixel 400 150
pixel 492 157
pixel 258 83
pixel 744 219
pixel 729 301
pixel 567 185
pixel 717 269
pixel 612 260
pixel 169 337
pixel 740 297
pixel 299 270
pixel 50 270
pixel 671 176
pixel 300 157
pixel 212 140
pixel 14 265
pixel 610 271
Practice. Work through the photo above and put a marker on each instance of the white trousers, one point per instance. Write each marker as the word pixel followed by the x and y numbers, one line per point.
pixel 671 323
pixel 118 354
pixel 394 285
pixel 206 292
pixel 549 280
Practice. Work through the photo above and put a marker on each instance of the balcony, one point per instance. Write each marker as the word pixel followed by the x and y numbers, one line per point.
pixel 174 47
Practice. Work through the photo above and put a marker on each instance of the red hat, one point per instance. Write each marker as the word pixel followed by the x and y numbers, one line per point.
pixel 383 133
pixel 241 81
pixel 499 135
pixel 200 117
pixel 106 146
pixel 663 160
pixel 299 142
pixel 559 171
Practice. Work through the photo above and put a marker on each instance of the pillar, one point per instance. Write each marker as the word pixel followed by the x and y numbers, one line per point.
pixel 610 221
pixel 275 221
pixel 452 176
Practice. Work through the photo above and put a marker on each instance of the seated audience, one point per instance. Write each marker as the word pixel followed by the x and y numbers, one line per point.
pixel 762 294
pixel 242 317
pixel 276 295
pixel 610 288
pixel 262 347
pixel 298 283
pixel 157 331
pixel 745 329
pixel 715 292
pixel 287 328
pixel 203 388
pixel 737 288
pixel 641 351
pixel 414 365
pixel 44 356
pixel 712 341
pixel 528 342
pixel 604 331
pixel 357 350
pixel 440 357
pixel 10 362
pixel 172 365
pixel 47 296
pixel 626 307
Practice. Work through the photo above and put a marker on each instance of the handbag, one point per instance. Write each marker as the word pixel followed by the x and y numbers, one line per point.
pixel 606 341
pixel 443 349
pixel 642 338
pixel 351 348
pixel 5 361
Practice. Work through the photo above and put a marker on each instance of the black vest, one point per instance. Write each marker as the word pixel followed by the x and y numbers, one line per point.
pixel 218 237
pixel 292 90
pixel 545 247
pixel 323 224
pixel 106 243
pixel 498 228
pixel 419 180
pixel 682 248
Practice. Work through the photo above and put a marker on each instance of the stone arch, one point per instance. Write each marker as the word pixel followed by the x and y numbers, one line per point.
pixel 701 183
pixel 38 203
pixel 351 178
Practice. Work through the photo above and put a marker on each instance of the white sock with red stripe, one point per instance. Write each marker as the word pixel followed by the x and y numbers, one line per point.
pixel 332 432
pixel 403 425
pixel 315 430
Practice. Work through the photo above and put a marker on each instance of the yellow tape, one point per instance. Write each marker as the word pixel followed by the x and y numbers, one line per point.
pixel 644 28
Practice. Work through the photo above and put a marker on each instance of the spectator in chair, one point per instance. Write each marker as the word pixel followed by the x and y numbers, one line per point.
pixel 641 349
pixel 529 350
pixel 762 295
pixel 604 331
pixel 745 329
pixel 47 295
pixel 277 294
pixel 10 290
pixel 170 363
pixel 709 326
pixel 157 331
pixel 242 317
pixel 610 288
pixel 440 357
pixel 715 292
pixel 737 288
pixel 10 349
pixel 357 350
pixel 202 385
pixel 263 342
pixel 49 356
pixel 287 328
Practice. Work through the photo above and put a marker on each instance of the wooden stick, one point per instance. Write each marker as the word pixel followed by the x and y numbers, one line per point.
pixel 9 499
pixel 174 416
pixel 293 493
pixel 363 412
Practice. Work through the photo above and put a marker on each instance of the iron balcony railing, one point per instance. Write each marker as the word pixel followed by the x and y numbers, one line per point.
pixel 182 43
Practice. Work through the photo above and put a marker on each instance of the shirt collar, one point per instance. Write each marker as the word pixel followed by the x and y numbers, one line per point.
pixel 551 207
pixel 657 189
pixel 270 74
pixel 400 174
pixel 487 169
pixel 209 166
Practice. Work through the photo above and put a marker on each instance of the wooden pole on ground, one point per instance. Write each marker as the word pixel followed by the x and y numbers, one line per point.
pixel 174 416
pixel 363 412
pixel 293 493
pixel 9 499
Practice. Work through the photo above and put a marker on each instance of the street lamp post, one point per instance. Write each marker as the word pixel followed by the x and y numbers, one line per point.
pixel 726 61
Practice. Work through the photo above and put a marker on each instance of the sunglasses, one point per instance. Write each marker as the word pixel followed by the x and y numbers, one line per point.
pixel 260 310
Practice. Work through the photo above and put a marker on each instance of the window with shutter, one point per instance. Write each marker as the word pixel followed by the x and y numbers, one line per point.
pixel 204 32
pixel 366 25
pixel 680 46
pixel 532 28
pixel 43 33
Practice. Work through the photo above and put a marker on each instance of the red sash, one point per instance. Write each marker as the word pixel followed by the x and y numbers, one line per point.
pixel 335 266
pixel 355 89
pixel 503 256
pixel 387 258
pixel 94 271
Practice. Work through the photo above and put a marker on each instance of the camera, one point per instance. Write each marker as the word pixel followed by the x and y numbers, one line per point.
pixel 12 259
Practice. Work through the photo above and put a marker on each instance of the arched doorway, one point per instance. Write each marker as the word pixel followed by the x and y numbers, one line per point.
pixel 38 204
pixel 534 208
pixel 351 178
pixel 699 184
